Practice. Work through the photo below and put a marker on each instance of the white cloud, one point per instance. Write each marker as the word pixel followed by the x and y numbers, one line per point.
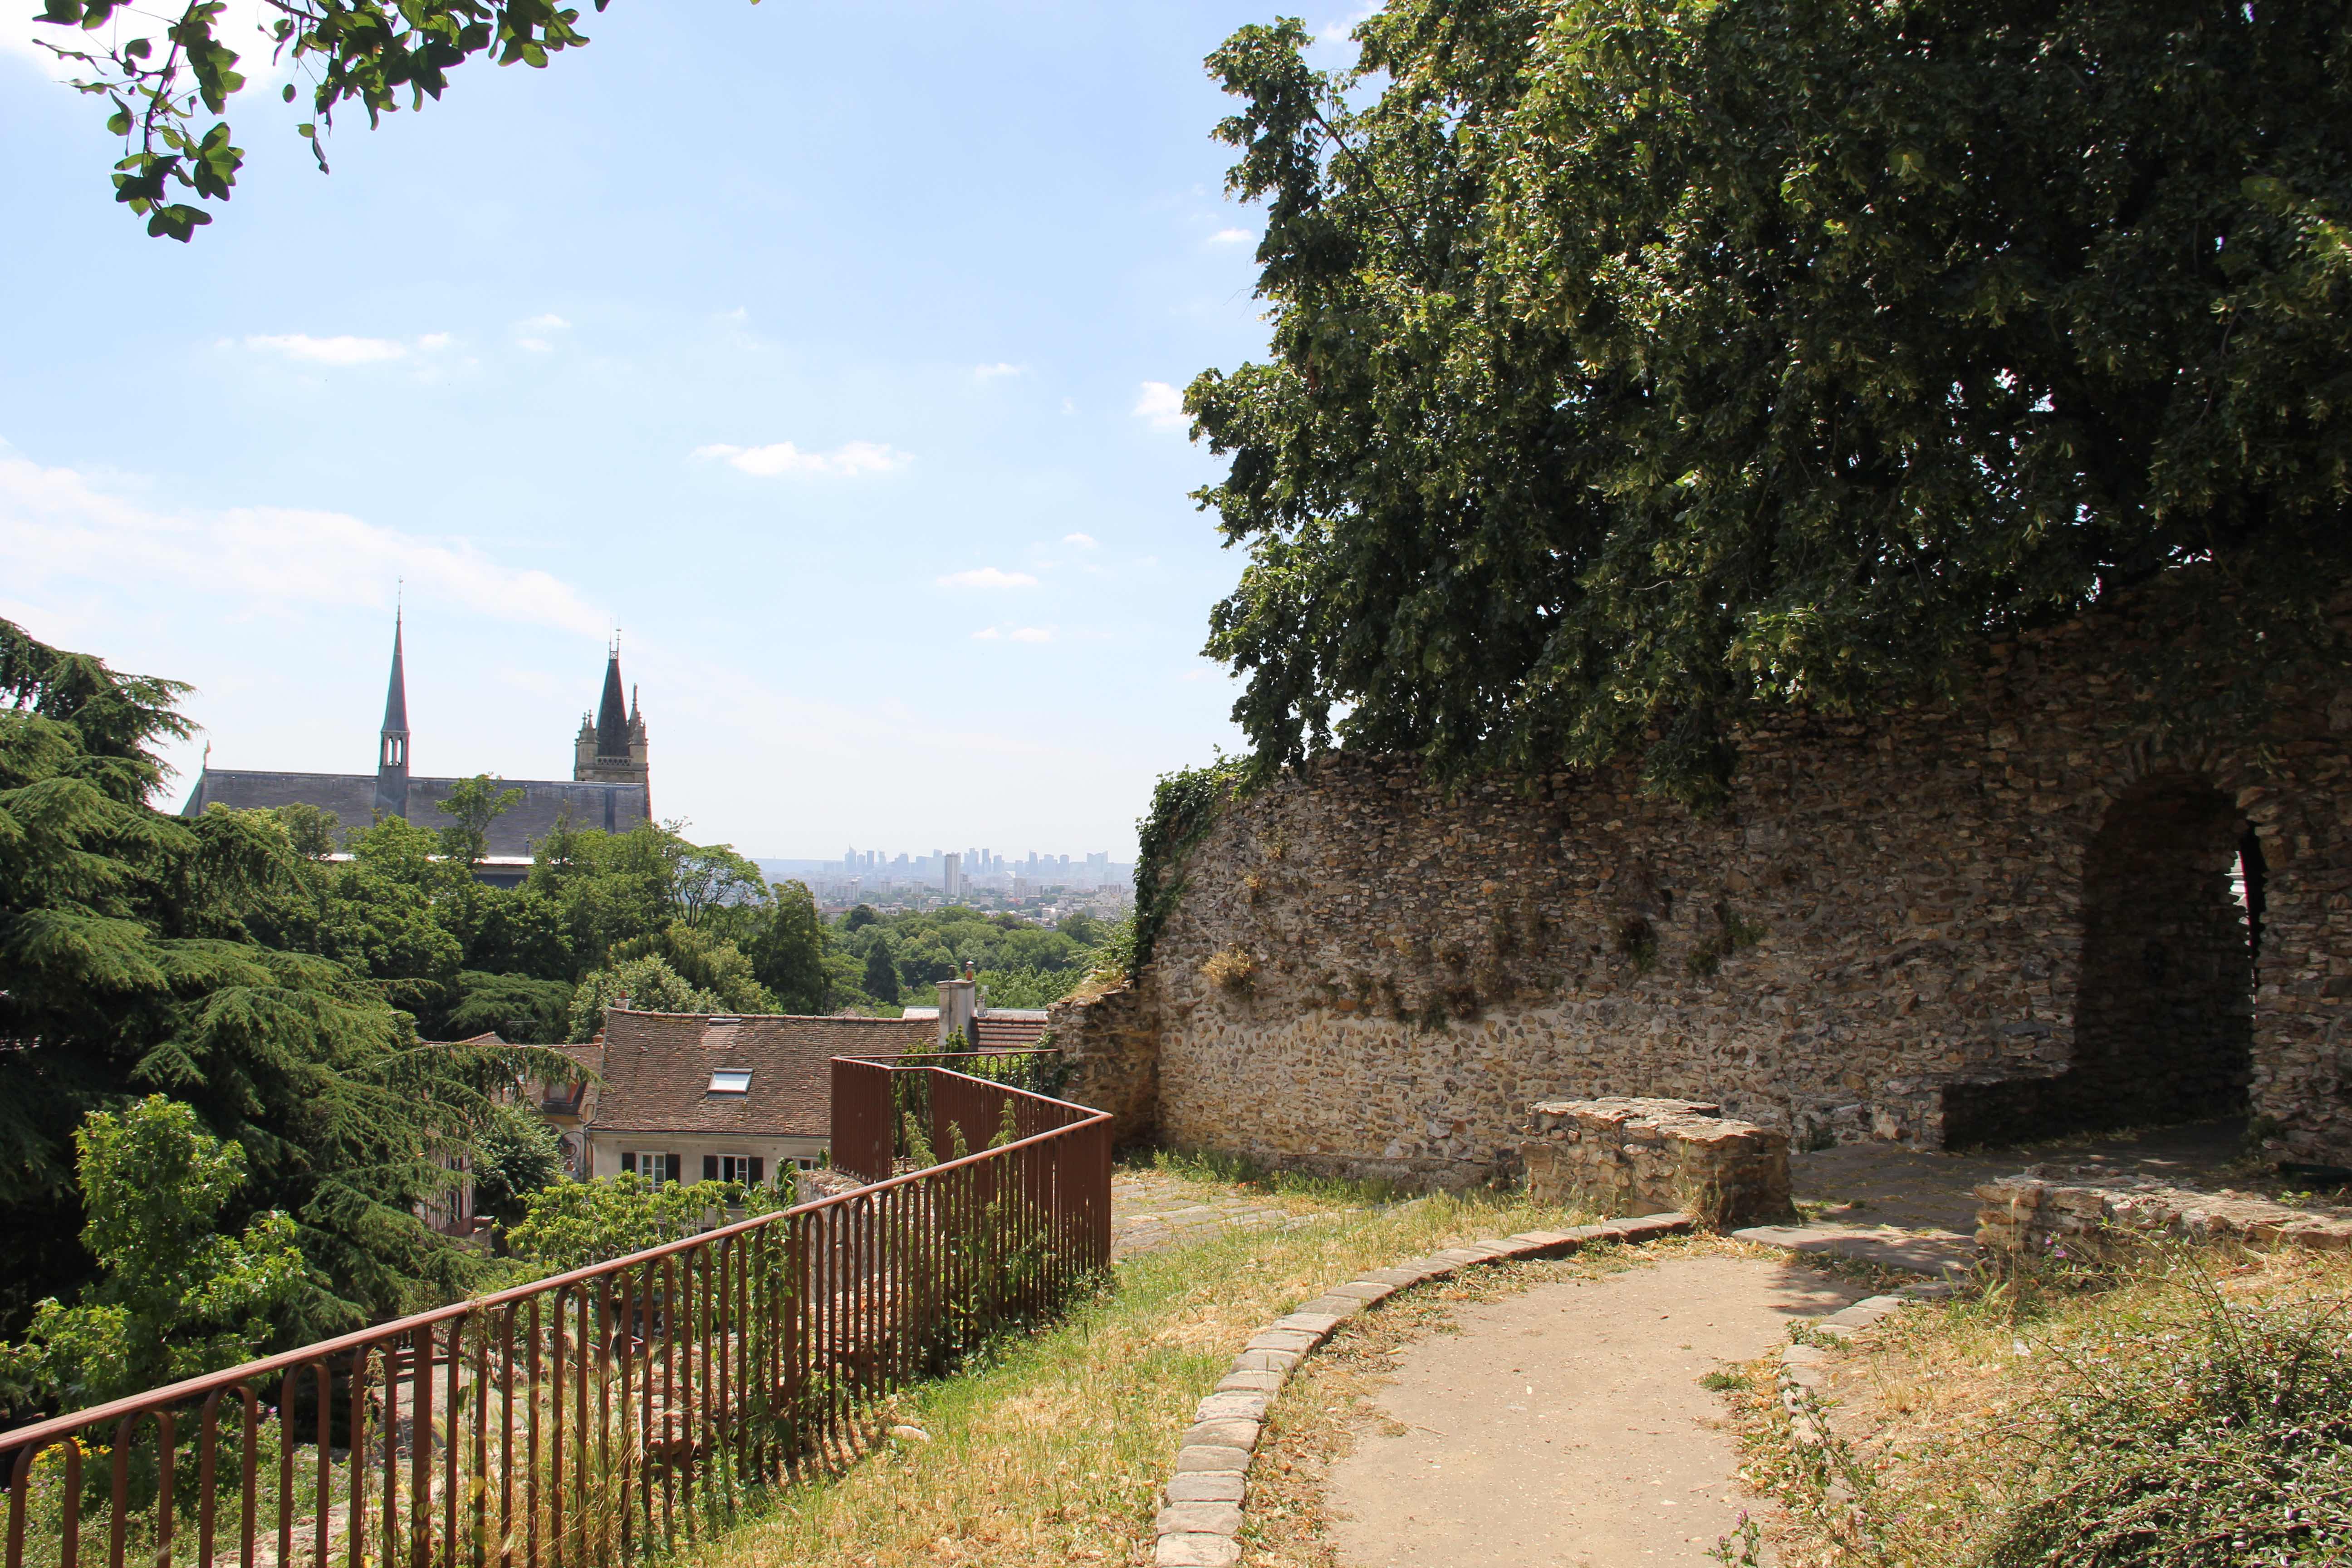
pixel 57 525
pixel 993 371
pixel 532 329
pixel 985 634
pixel 1231 237
pixel 339 350
pixel 1083 540
pixel 1032 634
pixel 851 458
pixel 987 577
pixel 1162 406
pixel 243 26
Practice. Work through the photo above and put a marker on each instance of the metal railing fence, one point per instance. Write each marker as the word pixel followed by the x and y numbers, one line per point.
pixel 603 1414
pixel 868 1139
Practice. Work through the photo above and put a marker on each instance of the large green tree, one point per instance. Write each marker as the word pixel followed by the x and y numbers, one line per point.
pixel 133 962
pixel 1639 368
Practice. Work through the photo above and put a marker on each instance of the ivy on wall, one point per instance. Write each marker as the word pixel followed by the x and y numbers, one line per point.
pixel 1184 806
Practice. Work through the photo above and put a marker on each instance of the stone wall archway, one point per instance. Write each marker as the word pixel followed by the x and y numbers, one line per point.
pixel 2163 994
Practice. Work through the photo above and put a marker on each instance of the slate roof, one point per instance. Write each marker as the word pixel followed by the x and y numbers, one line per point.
pixel 613 807
pixel 657 1068
pixel 395 697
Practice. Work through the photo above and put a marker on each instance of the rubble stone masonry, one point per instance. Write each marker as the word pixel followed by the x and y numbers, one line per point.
pixel 1645 1156
pixel 2011 914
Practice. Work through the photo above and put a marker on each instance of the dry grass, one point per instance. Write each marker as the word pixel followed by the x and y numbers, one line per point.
pixel 1056 1452
pixel 1940 1414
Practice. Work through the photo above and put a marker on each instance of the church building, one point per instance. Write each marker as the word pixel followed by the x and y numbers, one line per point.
pixel 610 787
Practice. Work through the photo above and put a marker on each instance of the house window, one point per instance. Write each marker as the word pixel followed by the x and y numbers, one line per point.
pixel 747 1169
pixel 654 1168
pixel 731 1080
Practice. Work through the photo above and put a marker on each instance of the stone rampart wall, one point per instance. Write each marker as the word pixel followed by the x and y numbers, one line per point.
pixel 1108 1042
pixel 1881 936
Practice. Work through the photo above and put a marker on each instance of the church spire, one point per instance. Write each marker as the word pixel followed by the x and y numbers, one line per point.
pixel 392 742
pixel 612 712
pixel 395 697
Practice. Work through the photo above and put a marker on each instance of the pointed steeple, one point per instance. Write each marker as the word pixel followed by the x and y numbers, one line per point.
pixel 395 697
pixel 392 742
pixel 612 712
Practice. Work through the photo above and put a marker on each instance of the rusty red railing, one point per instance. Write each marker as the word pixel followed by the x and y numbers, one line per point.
pixel 604 1414
pixel 868 1124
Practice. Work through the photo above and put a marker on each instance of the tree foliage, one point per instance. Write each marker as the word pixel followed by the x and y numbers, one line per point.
pixel 516 1155
pixel 143 954
pixel 1640 368
pixel 572 1224
pixel 156 71
pixel 174 1297
pixel 473 805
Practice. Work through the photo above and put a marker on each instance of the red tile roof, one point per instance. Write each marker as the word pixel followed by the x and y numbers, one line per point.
pixel 995 1033
pixel 657 1068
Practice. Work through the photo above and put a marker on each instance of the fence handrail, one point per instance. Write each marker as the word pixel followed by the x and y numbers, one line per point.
pixel 950 1055
pixel 189 1389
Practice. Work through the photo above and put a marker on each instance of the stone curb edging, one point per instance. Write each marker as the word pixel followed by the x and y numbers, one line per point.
pixel 1200 1519
pixel 1802 1364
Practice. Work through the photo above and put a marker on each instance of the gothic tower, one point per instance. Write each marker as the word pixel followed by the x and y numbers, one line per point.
pixel 611 746
pixel 392 743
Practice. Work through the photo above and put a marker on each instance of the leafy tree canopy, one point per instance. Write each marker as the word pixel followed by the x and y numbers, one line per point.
pixel 1642 368
pixel 911 951
pixel 473 805
pixel 572 1224
pixel 155 71
pixel 144 954
pixel 174 1297
pixel 516 1155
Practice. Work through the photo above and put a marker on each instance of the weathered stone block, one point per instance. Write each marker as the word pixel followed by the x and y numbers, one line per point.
pixel 1198 1518
pixel 1197 1552
pixel 1639 1156
pixel 2090 1213
pixel 1216 1459
pixel 1205 1486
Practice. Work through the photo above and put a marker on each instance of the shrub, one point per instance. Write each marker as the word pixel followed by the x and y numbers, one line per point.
pixel 1230 970
pixel 2210 1432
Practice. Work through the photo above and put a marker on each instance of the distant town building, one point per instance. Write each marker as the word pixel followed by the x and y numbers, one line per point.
pixel 611 784
pixel 691 1097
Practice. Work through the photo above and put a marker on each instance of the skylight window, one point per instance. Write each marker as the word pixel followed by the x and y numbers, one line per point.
pixel 731 1080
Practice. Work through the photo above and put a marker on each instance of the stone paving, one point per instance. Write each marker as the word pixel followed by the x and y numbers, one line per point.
pixel 1916 1209
pixel 1150 1210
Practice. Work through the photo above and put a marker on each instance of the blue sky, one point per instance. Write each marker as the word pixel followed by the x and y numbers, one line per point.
pixel 828 352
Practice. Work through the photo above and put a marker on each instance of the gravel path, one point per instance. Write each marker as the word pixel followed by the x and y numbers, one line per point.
pixel 1565 1425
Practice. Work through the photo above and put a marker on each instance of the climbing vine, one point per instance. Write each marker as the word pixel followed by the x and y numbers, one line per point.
pixel 1184 806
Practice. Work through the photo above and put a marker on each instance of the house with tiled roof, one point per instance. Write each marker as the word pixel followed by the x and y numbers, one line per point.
pixel 688 1096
